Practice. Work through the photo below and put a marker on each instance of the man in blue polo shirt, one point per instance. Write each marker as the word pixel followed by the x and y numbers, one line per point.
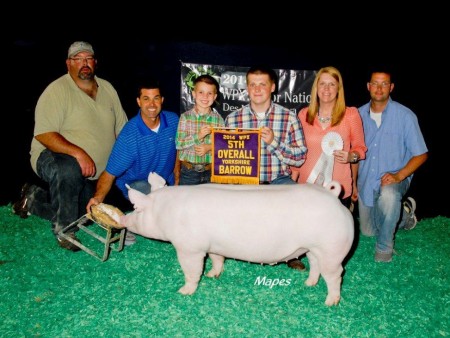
pixel 145 144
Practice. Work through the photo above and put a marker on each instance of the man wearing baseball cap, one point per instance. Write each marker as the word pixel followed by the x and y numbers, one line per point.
pixel 78 47
pixel 77 119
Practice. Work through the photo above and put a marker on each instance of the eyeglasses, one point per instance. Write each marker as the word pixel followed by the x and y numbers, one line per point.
pixel 80 59
pixel 382 84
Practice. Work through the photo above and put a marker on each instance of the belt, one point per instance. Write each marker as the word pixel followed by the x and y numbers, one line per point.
pixel 198 167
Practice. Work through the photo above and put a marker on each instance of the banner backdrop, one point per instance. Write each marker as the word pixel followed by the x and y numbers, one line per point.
pixel 293 90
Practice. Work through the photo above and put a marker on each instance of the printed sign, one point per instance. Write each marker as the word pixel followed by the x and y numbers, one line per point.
pixel 236 155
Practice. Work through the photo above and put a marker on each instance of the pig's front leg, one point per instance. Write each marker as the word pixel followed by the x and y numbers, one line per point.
pixel 217 265
pixel 192 265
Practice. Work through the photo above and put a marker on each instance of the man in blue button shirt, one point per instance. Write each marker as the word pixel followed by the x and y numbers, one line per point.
pixel 396 149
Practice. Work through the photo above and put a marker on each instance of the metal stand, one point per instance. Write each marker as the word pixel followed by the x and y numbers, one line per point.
pixel 113 240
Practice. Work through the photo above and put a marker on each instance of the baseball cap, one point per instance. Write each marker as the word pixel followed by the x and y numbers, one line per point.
pixel 78 47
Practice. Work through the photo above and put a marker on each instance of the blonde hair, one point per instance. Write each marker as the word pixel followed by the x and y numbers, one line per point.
pixel 339 108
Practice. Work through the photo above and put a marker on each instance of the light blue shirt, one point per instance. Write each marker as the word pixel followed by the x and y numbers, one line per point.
pixel 389 147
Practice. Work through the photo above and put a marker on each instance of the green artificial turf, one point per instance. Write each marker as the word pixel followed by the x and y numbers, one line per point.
pixel 51 292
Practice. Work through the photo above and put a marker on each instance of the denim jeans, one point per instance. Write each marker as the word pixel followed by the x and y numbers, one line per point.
pixel 142 186
pixel 145 188
pixel 193 177
pixel 68 191
pixel 382 219
pixel 284 179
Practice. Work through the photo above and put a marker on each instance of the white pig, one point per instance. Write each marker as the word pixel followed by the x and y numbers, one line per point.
pixel 255 223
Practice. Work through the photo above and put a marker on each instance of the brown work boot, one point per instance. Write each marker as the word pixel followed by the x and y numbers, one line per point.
pixel 296 264
pixel 20 207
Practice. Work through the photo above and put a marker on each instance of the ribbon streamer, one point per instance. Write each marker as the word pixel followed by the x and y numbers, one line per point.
pixel 322 172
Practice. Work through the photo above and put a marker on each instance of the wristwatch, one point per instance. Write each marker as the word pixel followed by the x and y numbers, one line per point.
pixel 355 157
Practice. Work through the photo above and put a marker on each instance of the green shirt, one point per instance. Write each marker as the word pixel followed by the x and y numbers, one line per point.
pixel 93 125
pixel 187 134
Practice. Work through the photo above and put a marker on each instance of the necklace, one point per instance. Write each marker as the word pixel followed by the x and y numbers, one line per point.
pixel 323 119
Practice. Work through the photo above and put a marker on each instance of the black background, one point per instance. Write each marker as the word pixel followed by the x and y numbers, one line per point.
pixel 34 57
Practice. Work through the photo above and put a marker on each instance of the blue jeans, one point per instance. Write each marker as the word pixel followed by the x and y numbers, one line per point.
pixel 193 177
pixel 142 186
pixel 382 219
pixel 284 179
pixel 68 191
pixel 145 188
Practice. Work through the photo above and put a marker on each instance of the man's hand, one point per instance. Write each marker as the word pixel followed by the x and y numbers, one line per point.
pixel 267 135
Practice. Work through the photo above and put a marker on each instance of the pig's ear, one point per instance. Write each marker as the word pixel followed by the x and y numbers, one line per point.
pixel 136 197
pixel 156 181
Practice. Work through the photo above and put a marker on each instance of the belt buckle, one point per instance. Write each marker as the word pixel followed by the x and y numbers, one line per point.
pixel 199 168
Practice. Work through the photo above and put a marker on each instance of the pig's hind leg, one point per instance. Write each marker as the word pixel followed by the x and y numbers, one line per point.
pixel 217 265
pixel 333 279
pixel 314 269
pixel 331 270
pixel 192 265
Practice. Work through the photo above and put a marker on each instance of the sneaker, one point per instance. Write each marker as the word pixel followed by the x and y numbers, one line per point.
pixel 296 264
pixel 410 223
pixel 384 257
pixel 410 207
pixel 66 244
pixel 130 238
pixel 20 207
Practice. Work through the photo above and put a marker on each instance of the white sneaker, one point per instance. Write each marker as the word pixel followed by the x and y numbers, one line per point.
pixel 410 207
pixel 130 238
